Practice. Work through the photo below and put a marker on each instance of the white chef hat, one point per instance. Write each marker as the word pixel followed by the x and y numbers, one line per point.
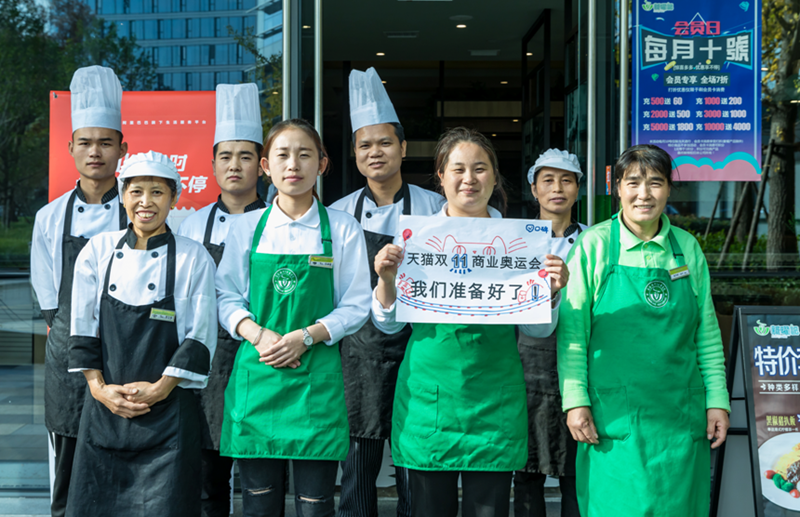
pixel 96 98
pixel 150 163
pixel 557 159
pixel 369 102
pixel 238 113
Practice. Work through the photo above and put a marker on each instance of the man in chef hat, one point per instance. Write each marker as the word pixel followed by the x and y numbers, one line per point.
pixel 238 141
pixel 380 146
pixel 61 230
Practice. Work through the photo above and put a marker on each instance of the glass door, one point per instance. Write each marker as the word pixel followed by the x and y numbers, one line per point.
pixel 536 72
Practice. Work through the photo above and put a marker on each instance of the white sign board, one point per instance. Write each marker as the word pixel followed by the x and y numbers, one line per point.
pixel 476 271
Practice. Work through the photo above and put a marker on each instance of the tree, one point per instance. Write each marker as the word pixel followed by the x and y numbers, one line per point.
pixel 780 55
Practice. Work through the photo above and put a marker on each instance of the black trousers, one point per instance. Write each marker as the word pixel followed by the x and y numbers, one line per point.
pixel 529 495
pixel 264 481
pixel 215 499
pixel 484 494
pixel 360 471
pixel 64 447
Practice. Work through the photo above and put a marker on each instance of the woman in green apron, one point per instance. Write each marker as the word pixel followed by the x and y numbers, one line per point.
pixel 460 406
pixel 285 289
pixel 640 357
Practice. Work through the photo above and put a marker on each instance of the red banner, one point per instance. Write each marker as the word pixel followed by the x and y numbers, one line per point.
pixel 178 124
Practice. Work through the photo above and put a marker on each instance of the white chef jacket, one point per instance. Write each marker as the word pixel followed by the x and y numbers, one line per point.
pixel 562 245
pixel 194 226
pixel 140 277
pixel 386 219
pixel 284 236
pixel 87 221
pixel 384 319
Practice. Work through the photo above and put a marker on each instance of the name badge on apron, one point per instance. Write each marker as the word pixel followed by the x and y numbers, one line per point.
pixel 679 272
pixel 326 262
pixel 162 315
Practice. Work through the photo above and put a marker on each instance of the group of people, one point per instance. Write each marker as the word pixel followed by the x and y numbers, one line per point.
pixel 264 333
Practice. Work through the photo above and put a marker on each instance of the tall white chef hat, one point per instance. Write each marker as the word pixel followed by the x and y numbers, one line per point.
pixel 557 159
pixel 369 102
pixel 96 98
pixel 150 163
pixel 238 113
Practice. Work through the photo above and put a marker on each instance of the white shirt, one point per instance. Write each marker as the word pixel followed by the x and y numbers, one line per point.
pixel 562 245
pixel 133 274
pixel 385 219
pixel 194 226
pixel 385 321
pixel 87 221
pixel 284 236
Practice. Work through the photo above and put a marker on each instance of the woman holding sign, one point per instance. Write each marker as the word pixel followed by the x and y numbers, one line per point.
pixel 640 363
pixel 285 289
pixel 460 400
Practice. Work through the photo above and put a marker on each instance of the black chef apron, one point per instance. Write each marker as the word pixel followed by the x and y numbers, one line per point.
pixel 64 392
pixel 148 465
pixel 212 398
pixel 370 358
pixel 551 448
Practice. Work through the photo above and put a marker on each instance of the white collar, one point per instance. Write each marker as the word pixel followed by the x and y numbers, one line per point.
pixel 493 212
pixel 278 217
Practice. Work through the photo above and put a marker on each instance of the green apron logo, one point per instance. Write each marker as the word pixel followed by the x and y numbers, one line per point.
pixel 284 280
pixel 656 294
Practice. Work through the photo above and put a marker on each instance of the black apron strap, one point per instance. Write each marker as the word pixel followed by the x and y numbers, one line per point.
pixel 405 196
pixel 209 226
pixel 406 199
pixel 170 287
pixel 360 205
pixel 123 217
pixel 67 230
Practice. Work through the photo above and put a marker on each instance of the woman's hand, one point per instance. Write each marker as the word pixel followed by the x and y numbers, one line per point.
pixel 386 262
pixel 581 425
pixel 717 428
pixel 151 393
pixel 558 273
pixel 285 351
pixel 113 396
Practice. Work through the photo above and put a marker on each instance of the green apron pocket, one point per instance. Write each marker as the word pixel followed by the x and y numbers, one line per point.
pixel 326 401
pixel 423 410
pixel 610 412
pixel 239 399
pixel 695 409
pixel 515 411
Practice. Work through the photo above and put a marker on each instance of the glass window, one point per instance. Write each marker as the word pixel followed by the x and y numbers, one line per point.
pixel 193 58
pixel 123 29
pixel 249 21
pixel 165 56
pixel 207 27
pixel 178 28
pixel 107 7
pixel 164 29
pixel 179 81
pixel 207 81
pixel 150 29
pixel 148 5
pixel 249 58
pixel 193 28
pixel 222 54
pixel 126 6
pixel 192 5
pixel 164 6
pixel 204 55
pixel 221 78
pixel 183 55
pixel 137 6
pixel 137 28
pixel 236 23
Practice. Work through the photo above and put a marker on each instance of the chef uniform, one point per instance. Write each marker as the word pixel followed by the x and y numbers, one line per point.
pixel 139 315
pixel 238 118
pixel 643 351
pixel 370 358
pixel 460 401
pixel 551 448
pixel 278 272
pixel 62 228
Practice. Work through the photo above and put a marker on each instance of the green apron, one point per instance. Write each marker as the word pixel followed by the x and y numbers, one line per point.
pixel 647 395
pixel 284 412
pixel 460 400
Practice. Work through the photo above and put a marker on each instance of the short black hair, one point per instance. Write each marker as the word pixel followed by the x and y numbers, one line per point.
pixel 259 147
pixel 645 157
pixel 170 183
pixel 398 130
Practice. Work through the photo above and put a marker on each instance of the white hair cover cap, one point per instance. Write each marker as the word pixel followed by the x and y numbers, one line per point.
pixel 96 98
pixel 150 163
pixel 369 102
pixel 238 114
pixel 556 159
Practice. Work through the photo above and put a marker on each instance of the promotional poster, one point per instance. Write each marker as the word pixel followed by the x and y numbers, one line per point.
pixel 466 270
pixel 696 86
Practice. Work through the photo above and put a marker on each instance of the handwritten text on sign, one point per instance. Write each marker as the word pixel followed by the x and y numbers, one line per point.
pixel 465 270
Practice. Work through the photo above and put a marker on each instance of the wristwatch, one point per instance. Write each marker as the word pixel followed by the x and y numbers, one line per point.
pixel 307 339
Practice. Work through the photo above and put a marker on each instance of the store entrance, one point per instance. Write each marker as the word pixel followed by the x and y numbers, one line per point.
pixel 498 67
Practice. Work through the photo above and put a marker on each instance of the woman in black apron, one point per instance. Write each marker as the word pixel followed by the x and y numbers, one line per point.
pixel 143 323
